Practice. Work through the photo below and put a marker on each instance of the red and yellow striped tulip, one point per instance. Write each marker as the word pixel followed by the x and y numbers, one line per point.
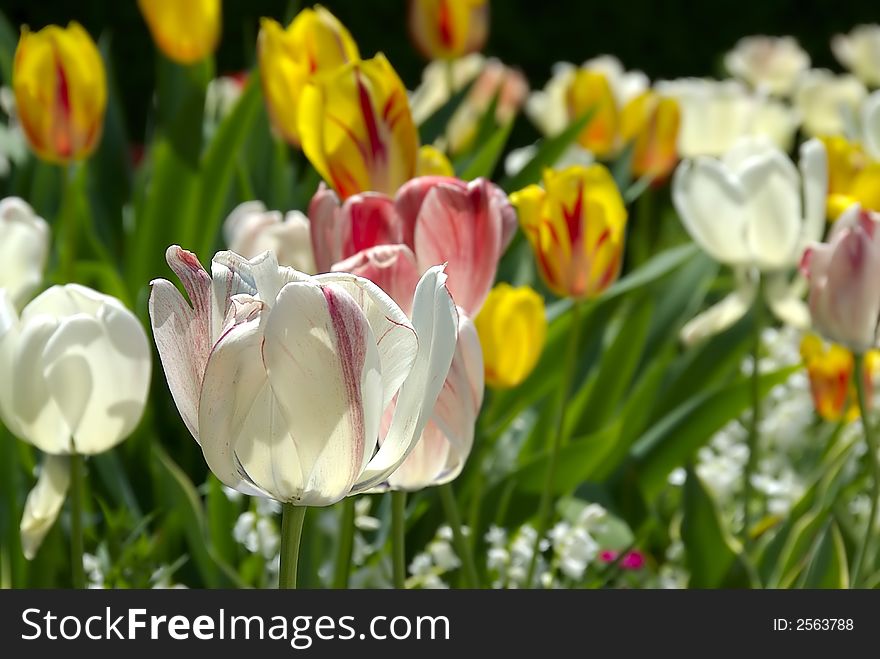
pixel 447 29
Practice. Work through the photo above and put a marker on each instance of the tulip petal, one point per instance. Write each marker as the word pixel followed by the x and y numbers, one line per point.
pixel 24 248
pixel 325 216
pixel 814 174
pixel 8 345
pixel 396 339
pixel 785 301
pixel 712 206
pixel 411 196
pixel 98 373
pixel 183 333
pixel 44 503
pixel 391 267
pixel 721 316
pixel 244 437
pixel 435 323
pixel 369 220
pixel 427 464
pixel 773 231
pixel 463 229
pixel 323 366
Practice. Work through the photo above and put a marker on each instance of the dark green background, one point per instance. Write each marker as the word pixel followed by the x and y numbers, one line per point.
pixel 665 39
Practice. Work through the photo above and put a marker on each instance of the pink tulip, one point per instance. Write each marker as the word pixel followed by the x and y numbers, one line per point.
pixel 844 276
pixel 441 220
pixel 447 439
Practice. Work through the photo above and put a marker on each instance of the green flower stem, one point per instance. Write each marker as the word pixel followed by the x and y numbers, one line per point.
pixel 398 538
pixel 545 509
pixel 77 466
pixel 68 227
pixel 450 506
pixel 346 544
pixel 871 440
pixel 291 532
pixel 754 424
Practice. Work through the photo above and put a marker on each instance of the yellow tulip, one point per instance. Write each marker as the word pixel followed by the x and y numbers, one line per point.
pixel 314 42
pixel 576 225
pixel 357 130
pixel 447 29
pixel 852 177
pixel 186 31
pixel 651 122
pixel 590 91
pixel 60 91
pixel 830 368
pixel 433 162
pixel 512 325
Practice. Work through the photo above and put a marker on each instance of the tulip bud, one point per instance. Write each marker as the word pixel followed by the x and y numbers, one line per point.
pixel 251 230
pixel 844 275
pixel 830 369
pixel 771 64
pixel 590 91
pixel 433 162
pixel 24 247
pixel 80 370
pixel 185 32
pixel 447 29
pixel 576 226
pixel 852 177
pixel 313 43
pixel 357 130
pixel 60 92
pixel 283 378
pixel 651 122
pixel 513 327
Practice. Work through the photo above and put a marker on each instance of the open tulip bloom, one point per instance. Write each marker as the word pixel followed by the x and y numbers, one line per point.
pixel 753 210
pixel 283 378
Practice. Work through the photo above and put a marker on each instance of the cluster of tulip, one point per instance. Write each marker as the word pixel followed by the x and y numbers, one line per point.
pixel 344 349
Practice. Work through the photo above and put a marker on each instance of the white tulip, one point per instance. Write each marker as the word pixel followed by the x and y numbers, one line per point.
pixel 44 502
pixel 283 377
pixel 771 64
pixel 859 52
pixel 76 370
pixel 829 103
pixel 251 230
pixel 754 211
pixel 715 114
pixel 871 125
pixel 24 248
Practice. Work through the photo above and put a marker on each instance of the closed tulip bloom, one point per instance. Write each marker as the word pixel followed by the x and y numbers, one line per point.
pixel 357 130
pixel 512 326
pixel 433 162
pixel 446 442
pixel 754 211
pixel 313 43
pixel 827 101
pixel 60 92
pixel 771 64
pixel 439 219
pixel 830 368
pixel 852 177
pixel 24 248
pixel 283 378
pixel 576 225
pixel 844 274
pixel 651 123
pixel 251 230
pixel 185 32
pixel 447 29
pixel 78 366
pixel 859 51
